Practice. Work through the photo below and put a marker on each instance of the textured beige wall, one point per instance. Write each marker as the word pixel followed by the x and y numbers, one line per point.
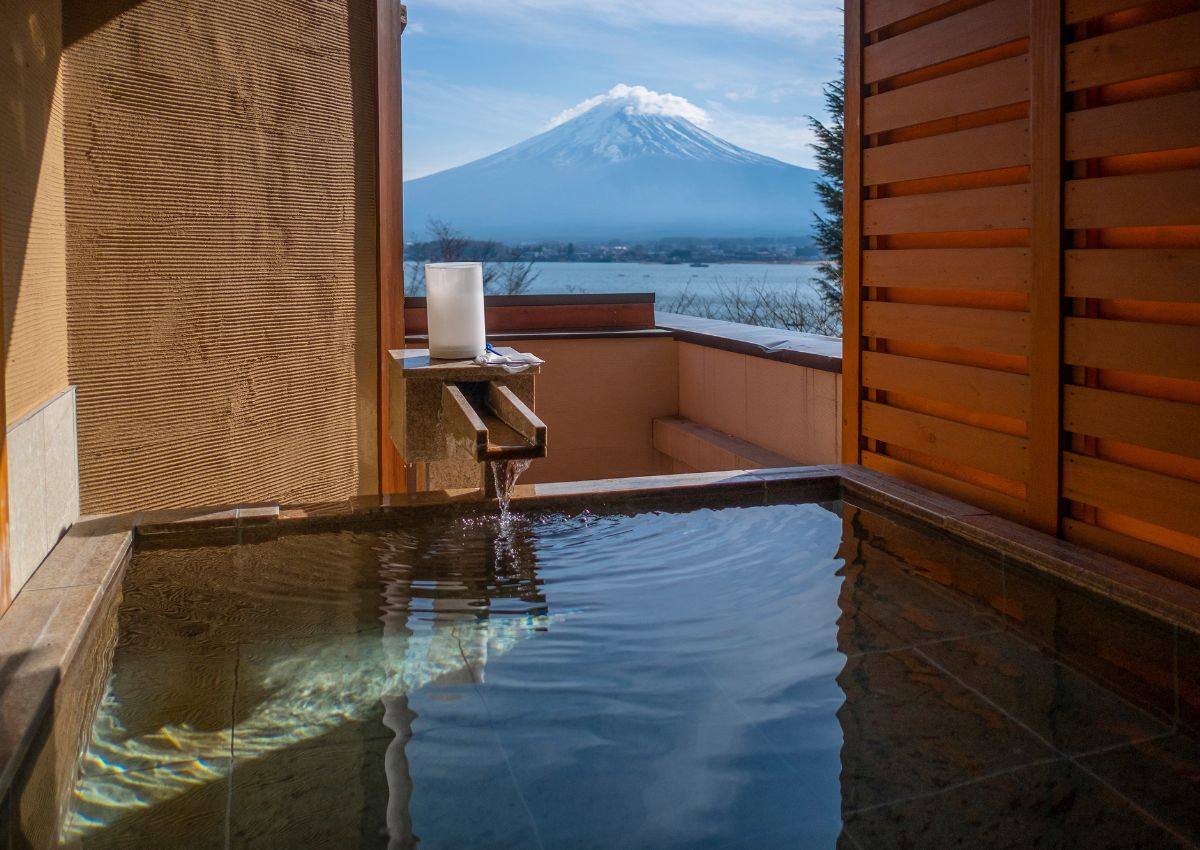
pixel 221 249
pixel 791 410
pixel 599 399
pixel 31 204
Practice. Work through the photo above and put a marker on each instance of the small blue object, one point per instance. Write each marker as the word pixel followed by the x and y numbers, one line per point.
pixel 488 346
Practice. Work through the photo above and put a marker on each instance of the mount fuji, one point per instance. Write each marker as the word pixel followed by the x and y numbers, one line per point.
pixel 628 165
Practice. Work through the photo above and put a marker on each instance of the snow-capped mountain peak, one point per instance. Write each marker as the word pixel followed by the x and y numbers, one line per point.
pixel 622 128
pixel 628 164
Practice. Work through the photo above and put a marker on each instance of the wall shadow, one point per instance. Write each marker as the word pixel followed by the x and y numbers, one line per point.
pixel 31 60
pixel 360 21
pixel 83 17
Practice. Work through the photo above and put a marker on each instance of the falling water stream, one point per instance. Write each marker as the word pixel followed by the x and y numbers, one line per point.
pixel 504 475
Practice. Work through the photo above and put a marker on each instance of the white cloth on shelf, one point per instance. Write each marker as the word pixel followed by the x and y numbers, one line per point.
pixel 512 363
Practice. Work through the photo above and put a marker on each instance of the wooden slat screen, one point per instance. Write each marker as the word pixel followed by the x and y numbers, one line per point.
pixel 1022 264
pixel 944 224
pixel 1131 401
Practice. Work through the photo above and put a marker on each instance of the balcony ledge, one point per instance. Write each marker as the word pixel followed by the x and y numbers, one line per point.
pixel 813 351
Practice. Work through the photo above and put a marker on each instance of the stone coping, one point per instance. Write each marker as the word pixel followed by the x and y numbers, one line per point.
pixel 813 351
pixel 1161 597
pixel 43 630
pixel 46 627
pixel 823 353
pixel 415 363
pixel 47 624
pixel 422 340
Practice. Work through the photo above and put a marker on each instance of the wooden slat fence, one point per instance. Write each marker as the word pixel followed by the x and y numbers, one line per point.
pixel 1023 262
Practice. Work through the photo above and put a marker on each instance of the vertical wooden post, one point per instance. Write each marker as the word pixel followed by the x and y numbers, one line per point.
pixel 1045 296
pixel 390 19
pixel 852 237
pixel 5 566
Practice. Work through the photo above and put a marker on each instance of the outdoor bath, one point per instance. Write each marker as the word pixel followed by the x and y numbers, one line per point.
pixel 814 657
pixel 336 511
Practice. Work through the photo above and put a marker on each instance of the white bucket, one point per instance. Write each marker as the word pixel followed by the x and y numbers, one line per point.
pixel 454 300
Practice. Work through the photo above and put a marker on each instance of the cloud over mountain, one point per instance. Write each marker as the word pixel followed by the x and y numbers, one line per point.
pixel 638 100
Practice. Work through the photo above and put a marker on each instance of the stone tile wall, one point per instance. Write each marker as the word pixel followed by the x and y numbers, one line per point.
pixel 43 483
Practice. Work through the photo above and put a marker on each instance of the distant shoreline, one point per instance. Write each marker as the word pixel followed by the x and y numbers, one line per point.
pixel 708 264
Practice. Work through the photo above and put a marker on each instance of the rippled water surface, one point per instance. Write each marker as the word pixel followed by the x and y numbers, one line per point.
pixel 768 676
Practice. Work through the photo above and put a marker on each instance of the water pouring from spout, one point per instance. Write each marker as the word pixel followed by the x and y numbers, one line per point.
pixel 504 475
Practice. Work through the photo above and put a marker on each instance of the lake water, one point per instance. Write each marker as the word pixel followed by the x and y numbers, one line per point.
pixel 667 282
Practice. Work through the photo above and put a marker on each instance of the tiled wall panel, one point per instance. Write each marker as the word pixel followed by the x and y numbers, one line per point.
pixel 43 484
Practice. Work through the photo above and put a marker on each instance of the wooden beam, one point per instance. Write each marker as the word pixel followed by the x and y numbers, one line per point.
pixel 998 84
pixel 1155 48
pixel 390 19
pixel 990 208
pixel 993 146
pixel 969 445
pixel 999 503
pixel 852 238
pixel 878 14
pixel 972 269
pixel 6 590
pixel 550 317
pixel 1148 348
pixel 976 29
pixel 1140 274
pixel 1045 295
pixel 1139 126
pixel 1162 500
pixel 1078 11
pixel 1134 200
pixel 1155 423
pixel 972 387
pixel 1001 331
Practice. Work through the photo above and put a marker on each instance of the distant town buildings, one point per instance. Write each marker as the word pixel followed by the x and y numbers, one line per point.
pixel 671 251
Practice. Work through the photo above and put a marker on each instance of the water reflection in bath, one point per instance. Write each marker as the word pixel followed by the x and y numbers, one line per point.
pixel 771 676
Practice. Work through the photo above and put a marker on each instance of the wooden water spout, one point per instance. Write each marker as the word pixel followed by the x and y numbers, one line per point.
pixel 490 423
pixel 456 417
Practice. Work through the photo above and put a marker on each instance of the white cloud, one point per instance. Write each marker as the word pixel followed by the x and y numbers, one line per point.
pixel 745 92
pixel 641 101
pixel 808 20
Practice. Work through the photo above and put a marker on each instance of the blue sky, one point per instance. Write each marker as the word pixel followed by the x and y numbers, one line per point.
pixel 480 75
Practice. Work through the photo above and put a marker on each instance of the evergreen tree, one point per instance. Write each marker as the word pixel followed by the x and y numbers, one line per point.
pixel 828 234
